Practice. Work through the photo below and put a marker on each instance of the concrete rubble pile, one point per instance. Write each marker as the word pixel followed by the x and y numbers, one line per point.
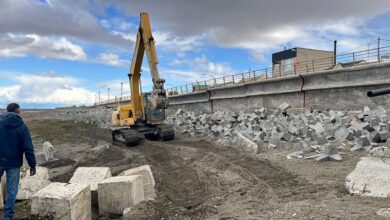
pixel 318 135
pixel 99 116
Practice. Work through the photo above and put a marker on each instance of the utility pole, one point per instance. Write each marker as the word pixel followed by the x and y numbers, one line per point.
pixel 99 96
pixel 121 90
pixel 108 94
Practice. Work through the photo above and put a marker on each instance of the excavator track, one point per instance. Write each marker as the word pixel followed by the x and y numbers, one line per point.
pixel 126 137
pixel 167 132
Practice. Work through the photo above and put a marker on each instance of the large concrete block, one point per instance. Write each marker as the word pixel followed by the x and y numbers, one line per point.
pixel 65 201
pixel 147 179
pixel 118 193
pixel 29 185
pixel 91 176
pixel 371 177
pixel 249 146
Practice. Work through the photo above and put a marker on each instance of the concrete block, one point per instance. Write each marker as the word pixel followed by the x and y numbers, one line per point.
pixel 118 193
pixel 284 106
pixel 29 185
pixel 344 134
pixel 48 151
pixel 147 179
pixel 330 153
pixel 318 128
pixel 375 136
pixel 91 176
pixel 249 146
pixel 65 201
pixel 371 177
pixel 363 143
pixel 384 135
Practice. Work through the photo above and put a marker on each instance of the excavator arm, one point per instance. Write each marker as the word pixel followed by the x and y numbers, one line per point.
pixel 145 44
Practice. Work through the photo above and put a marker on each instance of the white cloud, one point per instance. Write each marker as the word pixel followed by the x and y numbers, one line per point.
pixel 20 45
pixel 112 59
pixel 48 88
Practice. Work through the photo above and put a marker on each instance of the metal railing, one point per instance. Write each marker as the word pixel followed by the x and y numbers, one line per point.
pixel 114 100
pixel 358 58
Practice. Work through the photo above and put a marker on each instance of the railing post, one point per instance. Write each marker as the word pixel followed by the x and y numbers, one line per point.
pixel 242 76
pixel 353 58
pixel 181 89
pixel 215 81
pixel 379 45
pixel 233 78
pixel 266 73
pixel 224 81
pixel 187 87
pixel 313 64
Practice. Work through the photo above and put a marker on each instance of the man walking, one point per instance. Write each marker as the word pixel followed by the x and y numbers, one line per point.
pixel 15 140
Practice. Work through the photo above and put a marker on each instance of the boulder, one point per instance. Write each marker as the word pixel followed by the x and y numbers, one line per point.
pixel 371 177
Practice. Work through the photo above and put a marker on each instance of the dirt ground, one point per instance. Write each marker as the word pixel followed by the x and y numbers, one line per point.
pixel 197 179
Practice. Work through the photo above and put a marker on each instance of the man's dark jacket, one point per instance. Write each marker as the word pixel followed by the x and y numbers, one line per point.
pixel 15 140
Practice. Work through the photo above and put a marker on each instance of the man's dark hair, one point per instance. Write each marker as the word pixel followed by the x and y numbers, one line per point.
pixel 12 107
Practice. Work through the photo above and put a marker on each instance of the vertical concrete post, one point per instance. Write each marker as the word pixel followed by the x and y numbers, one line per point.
pixel 334 52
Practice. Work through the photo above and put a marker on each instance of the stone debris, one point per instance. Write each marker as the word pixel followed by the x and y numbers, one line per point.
pixel 385 212
pixel 67 201
pixel 115 194
pixel 147 179
pixel 362 130
pixel 29 185
pixel 371 177
pixel 48 151
pixel 91 176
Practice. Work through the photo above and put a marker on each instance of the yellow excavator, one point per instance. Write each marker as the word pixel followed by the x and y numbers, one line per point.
pixel 144 117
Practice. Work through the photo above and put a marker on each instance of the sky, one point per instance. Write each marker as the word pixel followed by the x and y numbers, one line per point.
pixel 56 53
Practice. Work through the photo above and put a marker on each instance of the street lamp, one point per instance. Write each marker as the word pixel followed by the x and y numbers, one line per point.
pixel 306 59
pixel 121 90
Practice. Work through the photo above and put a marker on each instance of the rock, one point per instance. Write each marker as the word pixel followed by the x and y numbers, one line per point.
pixel 91 176
pixel 29 185
pixel 66 201
pixel 371 177
pixel 147 179
pixel 330 153
pixel 118 193
pixel 48 151
pixel 318 127
pixel 96 151
pixel 385 212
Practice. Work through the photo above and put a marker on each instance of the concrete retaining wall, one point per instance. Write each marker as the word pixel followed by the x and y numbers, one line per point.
pixel 343 89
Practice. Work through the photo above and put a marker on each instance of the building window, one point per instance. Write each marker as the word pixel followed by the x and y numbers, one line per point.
pixel 276 69
pixel 288 66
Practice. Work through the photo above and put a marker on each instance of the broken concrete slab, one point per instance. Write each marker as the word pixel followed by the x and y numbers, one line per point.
pixel 91 176
pixel 29 185
pixel 65 201
pixel 118 193
pixel 147 179
pixel 371 177
pixel 330 153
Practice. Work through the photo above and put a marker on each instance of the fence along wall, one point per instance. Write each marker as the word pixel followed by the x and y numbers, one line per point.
pixel 342 89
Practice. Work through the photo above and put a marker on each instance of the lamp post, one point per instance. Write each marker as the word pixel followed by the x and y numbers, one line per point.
pixel 121 90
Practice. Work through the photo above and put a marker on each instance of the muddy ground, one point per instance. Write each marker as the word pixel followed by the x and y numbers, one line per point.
pixel 197 179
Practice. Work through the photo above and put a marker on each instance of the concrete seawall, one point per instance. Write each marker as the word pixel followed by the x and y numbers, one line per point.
pixel 343 89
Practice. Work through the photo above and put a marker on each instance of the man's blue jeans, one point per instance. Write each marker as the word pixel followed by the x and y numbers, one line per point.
pixel 12 175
